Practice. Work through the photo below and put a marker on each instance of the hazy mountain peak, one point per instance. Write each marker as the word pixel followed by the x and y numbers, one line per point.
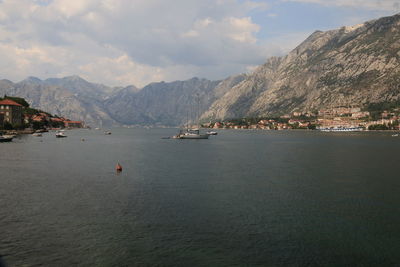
pixel 74 78
pixel 32 79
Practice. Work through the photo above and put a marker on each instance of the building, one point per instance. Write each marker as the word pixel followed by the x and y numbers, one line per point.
pixel 360 114
pixel 12 111
pixel 297 114
pixel 1 120
pixel 73 124
pixel 217 125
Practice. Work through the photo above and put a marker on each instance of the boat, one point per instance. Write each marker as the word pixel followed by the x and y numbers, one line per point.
pixel 118 167
pixel 212 133
pixel 107 133
pixel 190 134
pixel 6 138
pixel 341 129
pixel 60 135
pixel 37 134
pixel 194 132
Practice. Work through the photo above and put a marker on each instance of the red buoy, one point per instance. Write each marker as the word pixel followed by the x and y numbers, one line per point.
pixel 118 167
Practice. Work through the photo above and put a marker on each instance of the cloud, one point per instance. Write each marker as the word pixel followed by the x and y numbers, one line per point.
pixel 384 5
pixel 128 41
pixel 120 42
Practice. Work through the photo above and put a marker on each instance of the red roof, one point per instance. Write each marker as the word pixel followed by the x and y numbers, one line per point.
pixel 9 102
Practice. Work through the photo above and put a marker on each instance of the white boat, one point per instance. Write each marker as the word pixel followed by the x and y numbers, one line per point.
pixel 37 134
pixel 212 133
pixel 341 129
pixel 107 132
pixel 190 134
pixel 60 135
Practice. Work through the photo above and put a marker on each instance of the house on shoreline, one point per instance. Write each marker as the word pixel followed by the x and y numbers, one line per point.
pixel 11 111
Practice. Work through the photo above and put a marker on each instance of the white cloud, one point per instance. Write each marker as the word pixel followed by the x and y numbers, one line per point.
pixel 128 41
pixel 387 5
pixel 119 42
pixel 242 30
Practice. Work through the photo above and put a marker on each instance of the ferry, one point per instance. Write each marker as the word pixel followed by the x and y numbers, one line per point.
pixel 341 129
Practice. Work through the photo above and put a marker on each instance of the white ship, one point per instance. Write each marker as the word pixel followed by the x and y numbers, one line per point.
pixel 190 134
pixel 341 129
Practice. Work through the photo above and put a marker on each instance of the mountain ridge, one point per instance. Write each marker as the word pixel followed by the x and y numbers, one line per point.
pixel 332 68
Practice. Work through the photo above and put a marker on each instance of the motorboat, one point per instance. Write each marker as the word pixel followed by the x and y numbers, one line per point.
pixel 60 135
pixel 212 133
pixel 6 138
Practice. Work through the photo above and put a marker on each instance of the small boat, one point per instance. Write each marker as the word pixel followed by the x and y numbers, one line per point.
pixel 60 135
pixel 6 138
pixel 118 167
pixel 107 133
pixel 395 135
pixel 37 134
pixel 212 133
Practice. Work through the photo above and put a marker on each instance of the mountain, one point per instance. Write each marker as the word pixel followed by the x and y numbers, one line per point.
pixel 71 97
pixel 81 87
pixel 160 103
pixel 170 104
pixel 348 66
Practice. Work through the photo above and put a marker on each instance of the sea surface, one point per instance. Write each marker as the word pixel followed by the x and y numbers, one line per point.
pixel 241 198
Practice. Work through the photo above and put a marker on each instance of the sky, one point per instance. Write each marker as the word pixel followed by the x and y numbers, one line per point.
pixel 136 42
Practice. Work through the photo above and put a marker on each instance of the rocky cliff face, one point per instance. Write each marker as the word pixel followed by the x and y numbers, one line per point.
pixel 163 103
pixel 347 66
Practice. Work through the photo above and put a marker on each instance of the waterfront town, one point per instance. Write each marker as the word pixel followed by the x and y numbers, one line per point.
pixel 332 118
pixel 17 115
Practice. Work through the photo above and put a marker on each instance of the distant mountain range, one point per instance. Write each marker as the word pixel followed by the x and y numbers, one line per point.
pixel 348 66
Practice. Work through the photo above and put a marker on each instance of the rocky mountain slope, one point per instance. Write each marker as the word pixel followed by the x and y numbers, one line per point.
pixel 172 104
pixel 71 97
pixel 160 103
pixel 348 66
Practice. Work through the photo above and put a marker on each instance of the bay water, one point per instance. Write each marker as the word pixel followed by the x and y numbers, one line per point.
pixel 241 198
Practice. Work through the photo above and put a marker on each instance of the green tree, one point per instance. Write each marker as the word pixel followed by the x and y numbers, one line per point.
pixel 7 126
